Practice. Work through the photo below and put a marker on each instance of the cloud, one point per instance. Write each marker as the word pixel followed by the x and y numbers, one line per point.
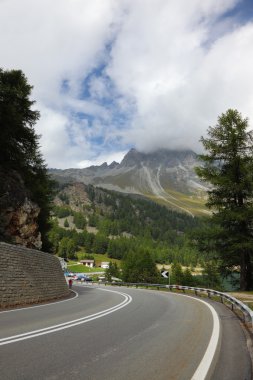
pixel 181 74
pixel 109 158
pixel 109 75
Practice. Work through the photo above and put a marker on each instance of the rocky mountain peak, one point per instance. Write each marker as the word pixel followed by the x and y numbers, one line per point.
pixel 167 176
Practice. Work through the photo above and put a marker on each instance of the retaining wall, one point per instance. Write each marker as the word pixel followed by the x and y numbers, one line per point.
pixel 29 276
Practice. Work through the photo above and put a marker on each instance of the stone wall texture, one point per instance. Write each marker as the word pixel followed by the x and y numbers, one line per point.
pixel 29 276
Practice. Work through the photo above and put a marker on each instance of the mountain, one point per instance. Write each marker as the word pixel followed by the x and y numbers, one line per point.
pixel 88 219
pixel 165 176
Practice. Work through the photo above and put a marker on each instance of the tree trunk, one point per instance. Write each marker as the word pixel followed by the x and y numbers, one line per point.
pixel 245 277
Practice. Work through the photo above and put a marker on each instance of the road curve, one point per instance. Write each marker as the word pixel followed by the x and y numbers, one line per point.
pixel 136 335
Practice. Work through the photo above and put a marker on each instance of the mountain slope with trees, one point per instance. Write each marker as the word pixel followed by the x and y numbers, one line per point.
pixel 104 221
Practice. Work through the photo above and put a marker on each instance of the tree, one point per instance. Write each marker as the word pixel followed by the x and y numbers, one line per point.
pixel 211 275
pixel 67 248
pixel 177 274
pixel 19 144
pixel 228 166
pixel 112 271
pixel 139 267
pixel 66 223
pixel 100 243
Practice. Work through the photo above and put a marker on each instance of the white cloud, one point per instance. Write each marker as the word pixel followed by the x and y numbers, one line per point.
pixel 108 158
pixel 111 74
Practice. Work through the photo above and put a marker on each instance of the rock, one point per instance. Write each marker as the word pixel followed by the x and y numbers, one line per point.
pixel 18 214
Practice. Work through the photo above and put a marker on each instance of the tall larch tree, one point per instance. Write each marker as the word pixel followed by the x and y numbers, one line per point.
pixel 228 167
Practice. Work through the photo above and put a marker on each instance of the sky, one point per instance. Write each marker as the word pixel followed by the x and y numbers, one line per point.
pixel 110 75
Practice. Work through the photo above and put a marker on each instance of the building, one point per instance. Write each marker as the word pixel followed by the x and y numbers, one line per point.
pixel 105 264
pixel 88 263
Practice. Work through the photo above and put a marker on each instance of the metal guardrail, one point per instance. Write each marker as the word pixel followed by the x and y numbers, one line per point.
pixel 235 303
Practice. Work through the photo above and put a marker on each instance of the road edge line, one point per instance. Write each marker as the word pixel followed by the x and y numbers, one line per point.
pixel 209 360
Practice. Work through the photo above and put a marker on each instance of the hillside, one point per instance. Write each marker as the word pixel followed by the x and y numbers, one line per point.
pixel 165 176
pixel 101 221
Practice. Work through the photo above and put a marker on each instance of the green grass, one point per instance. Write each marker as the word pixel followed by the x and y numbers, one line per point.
pixel 80 268
pixel 195 205
pixel 99 258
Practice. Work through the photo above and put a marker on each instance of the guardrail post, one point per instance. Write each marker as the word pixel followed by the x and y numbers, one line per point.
pixel 221 299
pixel 209 294
pixel 196 293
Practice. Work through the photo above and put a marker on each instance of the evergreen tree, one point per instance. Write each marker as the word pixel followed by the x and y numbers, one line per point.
pixel 19 144
pixel 139 267
pixel 66 223
pixel 112 271
pixel 211 275
pixel 177 274
pixel 228 166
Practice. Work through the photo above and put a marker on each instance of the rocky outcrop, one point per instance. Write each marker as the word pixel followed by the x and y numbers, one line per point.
pixel 18 214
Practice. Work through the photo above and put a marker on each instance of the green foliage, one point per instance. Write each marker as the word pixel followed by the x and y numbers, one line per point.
pixel 177 275
pixel 126 224
pixel 79 220
pixel 66 223
pixel 19 143
pixel 228 166
pixel 61 212
pixel 112 271
pixel 211 275
pixel 93 220
pixel 67 248
pixel 139 268
pixel 100 243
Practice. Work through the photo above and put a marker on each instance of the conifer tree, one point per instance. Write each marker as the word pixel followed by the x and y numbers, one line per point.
pixel 19 143
pixel 228 166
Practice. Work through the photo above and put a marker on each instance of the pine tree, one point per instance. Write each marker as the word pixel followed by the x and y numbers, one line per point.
pixel 228 166
pixel 19 143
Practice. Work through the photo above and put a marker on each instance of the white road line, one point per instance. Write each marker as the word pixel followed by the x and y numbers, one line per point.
pixel 44 304
pixel 206 362
pixel 66 325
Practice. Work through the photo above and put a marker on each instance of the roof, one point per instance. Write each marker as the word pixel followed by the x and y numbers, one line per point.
pixel 87 261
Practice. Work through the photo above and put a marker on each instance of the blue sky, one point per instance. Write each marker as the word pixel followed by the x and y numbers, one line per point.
pixel 111 75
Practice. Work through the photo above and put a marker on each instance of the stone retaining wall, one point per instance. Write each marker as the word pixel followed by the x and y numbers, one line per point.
pixel 29 276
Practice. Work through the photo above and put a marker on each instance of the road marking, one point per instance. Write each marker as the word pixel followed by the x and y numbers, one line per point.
pixel 206 362
pixel 66 325
pixel 45 304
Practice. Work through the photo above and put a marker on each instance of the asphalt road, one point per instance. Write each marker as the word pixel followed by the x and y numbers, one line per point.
pixel 111 336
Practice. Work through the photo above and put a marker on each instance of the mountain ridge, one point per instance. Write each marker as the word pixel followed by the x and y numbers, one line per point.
pixel 165 176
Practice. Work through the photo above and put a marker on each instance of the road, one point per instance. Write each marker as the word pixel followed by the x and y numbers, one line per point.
pixel 104 334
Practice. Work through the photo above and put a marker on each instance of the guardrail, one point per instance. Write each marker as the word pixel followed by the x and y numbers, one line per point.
pixel 235 303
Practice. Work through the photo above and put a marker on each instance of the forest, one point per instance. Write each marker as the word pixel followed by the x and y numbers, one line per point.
pixel 123 224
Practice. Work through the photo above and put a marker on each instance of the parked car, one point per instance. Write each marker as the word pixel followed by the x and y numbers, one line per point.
pixel 82 277
pixel 69 274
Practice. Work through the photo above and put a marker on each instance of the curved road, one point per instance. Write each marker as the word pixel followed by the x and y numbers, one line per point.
pixel 104 334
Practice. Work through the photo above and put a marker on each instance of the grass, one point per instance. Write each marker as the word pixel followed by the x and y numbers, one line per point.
pixel 73 265
pixel 99 258
pixel 195 205
pixel 80 268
